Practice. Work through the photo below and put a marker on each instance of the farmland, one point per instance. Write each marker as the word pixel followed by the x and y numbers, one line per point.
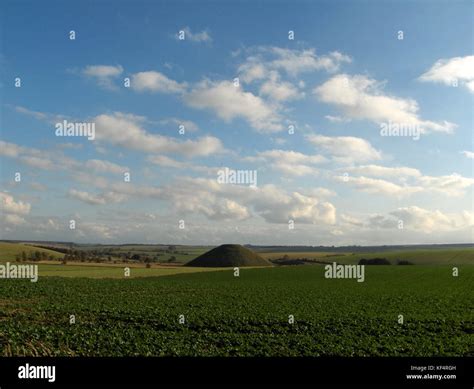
pixel 243 316
pixel 452 256
pixel 9 251
pixel 110 271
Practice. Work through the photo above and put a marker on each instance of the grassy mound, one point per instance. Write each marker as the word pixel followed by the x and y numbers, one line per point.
pixel 229 255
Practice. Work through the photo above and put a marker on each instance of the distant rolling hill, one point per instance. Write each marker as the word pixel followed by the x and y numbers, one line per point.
pixel 8 251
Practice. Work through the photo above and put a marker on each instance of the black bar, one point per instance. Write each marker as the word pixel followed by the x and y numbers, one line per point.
pixel 385 372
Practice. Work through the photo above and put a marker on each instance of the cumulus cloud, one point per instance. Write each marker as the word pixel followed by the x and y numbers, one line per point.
pixel 360 97
pixel 9 205
pixel 291 61
pixel 409 181
pixel 423 220
pixel 351 220
pixel 228 102
pixel 126 130
pixel 298 61
pixel 449 71
pixel 189 125
pixel 36 158
pixel 13 211
pixel 52 160
pixel 152 81
pixel 453 185
pixel 278 90
pixel 347 149
pixel 468 154
pixel 269 202
pixel 96 199
pixel 103 74
pixel 252 70
pixel 379 186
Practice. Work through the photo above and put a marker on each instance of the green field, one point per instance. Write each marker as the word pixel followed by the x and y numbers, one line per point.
pixel 454 256
pixel 184 253
pixel 9 251
pixel 109 271
pixel 243 316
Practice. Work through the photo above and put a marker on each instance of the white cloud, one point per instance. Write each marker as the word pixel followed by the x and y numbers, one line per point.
pixel 229 102
pixel 12 212
pixel 38 162
pixel 9 205
pixel 97 199
pixel 252 70
pixel 351 220
pixel 299 61
pixel 297 170
pixel 269 202
pixel 383 171
pixel 13 220
pixel 345 148
pixel 468 154
pixel 292 61
pixel 423 220
pixel 290 156
pixel 321 192
pixel 453 185
pixel 164 161
pixel 104 74
pixel 125 130
pixel 451 70
pixel 8 149
pixel 279 90
pixel 153 81
pixel 53 160
pixel 360 97
pixel 410 181
pixel 337 119
pixel 378 186
pixel 189 126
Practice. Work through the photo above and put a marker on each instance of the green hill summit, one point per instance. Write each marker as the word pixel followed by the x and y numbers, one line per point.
pixel 229 255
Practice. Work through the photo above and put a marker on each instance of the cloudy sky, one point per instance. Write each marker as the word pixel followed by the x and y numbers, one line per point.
pixel 180 92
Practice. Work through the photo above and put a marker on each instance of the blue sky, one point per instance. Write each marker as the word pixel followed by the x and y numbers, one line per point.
pixel 336 179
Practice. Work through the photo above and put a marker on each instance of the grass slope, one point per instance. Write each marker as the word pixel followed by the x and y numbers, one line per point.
pixel 8 251
pixel 229 255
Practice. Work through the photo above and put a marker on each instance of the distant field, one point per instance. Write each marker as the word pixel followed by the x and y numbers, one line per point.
pixel 298 254
pixel 108 271
pixel 8 251
pixel 243 316
pixel 417 257
pixel 184 254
